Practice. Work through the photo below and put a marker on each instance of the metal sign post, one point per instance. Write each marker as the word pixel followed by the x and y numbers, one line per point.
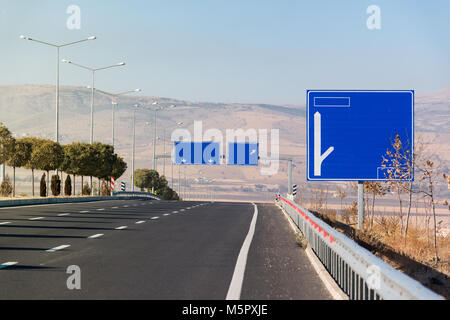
pixel 349 131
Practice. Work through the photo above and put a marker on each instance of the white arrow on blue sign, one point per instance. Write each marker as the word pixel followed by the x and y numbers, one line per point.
pixel 197 152
pixel 243 153
pixel 349 131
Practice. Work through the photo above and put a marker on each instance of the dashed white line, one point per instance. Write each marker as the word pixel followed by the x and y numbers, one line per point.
pixel 101 209
pixel 166 214
pixel 175 211
pixel 63 214
pixel 121 228
pixel 58 248
pixel 84 211
pixel 6 222
pixel 95 236
pixel 181 210
pixel 139 222
pixel 36 218
pixel 8 264
pixel 154 218
pixel 126 206
pixel 114 207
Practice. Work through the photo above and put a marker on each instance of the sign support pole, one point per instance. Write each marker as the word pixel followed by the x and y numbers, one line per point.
pixel 360 205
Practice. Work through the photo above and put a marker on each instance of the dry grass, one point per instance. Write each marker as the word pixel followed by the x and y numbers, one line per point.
pixel 413 255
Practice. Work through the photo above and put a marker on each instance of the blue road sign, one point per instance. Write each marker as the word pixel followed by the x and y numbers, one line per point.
pixel 197 152
pixel 243 153
pixel 348 132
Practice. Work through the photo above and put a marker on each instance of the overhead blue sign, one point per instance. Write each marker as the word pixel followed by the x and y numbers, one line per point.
pixel 196 152
pixel 349 132
pixel 243 153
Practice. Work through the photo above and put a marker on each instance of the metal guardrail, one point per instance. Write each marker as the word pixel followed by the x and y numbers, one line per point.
pixel 359 273
pixel 136 194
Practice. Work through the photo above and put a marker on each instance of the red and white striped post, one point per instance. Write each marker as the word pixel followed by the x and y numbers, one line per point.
pixel 113 183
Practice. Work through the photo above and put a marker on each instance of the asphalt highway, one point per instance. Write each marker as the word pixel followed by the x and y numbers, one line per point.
pixel 141 249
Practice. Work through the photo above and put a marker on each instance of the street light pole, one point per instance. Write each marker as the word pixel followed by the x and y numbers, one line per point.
pixel 57 72
pixel 93 70
pixel 114 104
pixel 132 160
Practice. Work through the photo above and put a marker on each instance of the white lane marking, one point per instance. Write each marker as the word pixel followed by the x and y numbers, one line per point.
pixel 121 228
pixel 95 236
pixel 36 218
pixel 234 291
pixel 8 264
pixel 166 214
pixel 188 208
pixel 6 222
pixel 84 211
pixel 101 209
pixel 181 210
pixel 175 211
pixel 126 206
pixel 154 218
pixel 58 248
pixel 63 214
pixel 139 222
pixel 114 207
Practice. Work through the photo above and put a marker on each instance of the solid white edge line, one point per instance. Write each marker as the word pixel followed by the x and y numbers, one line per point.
pixel 234 291
pixel 58 248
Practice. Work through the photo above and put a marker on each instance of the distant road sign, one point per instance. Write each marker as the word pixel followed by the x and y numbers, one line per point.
pixel 348 132
pixel 197 152
pixel 240 153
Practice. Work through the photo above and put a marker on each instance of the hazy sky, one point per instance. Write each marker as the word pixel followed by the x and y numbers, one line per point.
pixel 231 50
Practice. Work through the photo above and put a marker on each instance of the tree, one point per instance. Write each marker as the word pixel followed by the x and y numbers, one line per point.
pixel 32 163
pixel 118 168
pixel 86 190
pixel 47 156
pixel 142 178
pixel 56 185
pixel 429 174
pixel 19 157
pixel 374 188
pixel 68 186
pixel 43 186
pixel 341 193
pixel 6 187
pixel 5 143
pixel 397 170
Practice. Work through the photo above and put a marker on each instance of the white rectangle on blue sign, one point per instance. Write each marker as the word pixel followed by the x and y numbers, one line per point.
pixel 349 131
pixel 243 153
pixel 196 152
